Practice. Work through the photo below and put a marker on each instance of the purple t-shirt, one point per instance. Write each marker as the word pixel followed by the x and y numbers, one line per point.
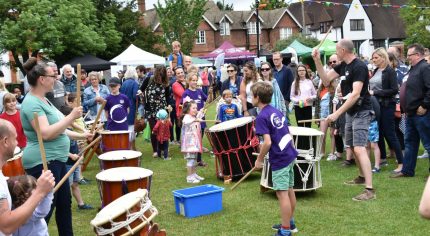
pixel 272 122
pixel 199 97
pixel 116 106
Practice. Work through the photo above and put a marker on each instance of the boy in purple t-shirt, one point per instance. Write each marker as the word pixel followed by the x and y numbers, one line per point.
pixel 117 107
pixel 273 126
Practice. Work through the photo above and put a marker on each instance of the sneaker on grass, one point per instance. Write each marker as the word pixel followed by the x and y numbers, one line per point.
pixel 293 228
pixel 424 155
pixel 366 195
pixel 383 163
pixel 331 157
pixel 347 163
pixel 283 232
pixel 85 207
pixel 198 177
pixel 192 180
pixel 359 180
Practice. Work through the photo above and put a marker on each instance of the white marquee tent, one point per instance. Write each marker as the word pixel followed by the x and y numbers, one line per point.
pixel 134 56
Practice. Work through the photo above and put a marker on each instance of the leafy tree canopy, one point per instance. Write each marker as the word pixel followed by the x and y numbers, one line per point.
pixel 224 7
pixel 179 20
pixel 271 4
pixel 417 22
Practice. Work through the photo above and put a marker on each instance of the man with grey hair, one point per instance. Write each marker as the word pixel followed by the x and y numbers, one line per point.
pixel 187 62
pixel 69 79
pixel 358 109
pixel 58 95
pixel 11 220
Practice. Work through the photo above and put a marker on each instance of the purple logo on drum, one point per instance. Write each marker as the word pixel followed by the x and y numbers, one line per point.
pixel 277 122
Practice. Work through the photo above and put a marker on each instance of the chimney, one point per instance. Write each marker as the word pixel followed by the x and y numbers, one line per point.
pixel 141 6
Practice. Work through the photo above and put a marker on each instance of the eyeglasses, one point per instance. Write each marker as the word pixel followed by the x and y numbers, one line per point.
pixel 230 71
pixel 265 69
pixel 409 55
pixel 51 76
pixel 331 62
pixel 301 70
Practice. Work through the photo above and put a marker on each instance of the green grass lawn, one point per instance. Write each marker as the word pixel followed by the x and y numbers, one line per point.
pixel 246 211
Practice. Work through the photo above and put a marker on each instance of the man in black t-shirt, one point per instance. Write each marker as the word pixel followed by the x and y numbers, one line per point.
pixel 358 108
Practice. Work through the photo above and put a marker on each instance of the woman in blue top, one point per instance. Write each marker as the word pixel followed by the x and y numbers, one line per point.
pixel 94 95
pixel 53 127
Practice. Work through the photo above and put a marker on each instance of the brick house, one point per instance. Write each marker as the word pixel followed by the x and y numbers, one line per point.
pixel 238 27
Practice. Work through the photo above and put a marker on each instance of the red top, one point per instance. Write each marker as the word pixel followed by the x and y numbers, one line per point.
pixel 16 121
pixel 205 79
pixel 178 89
pixel 162 130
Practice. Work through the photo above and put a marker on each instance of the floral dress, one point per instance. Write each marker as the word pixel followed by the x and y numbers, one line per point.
pixel 155 99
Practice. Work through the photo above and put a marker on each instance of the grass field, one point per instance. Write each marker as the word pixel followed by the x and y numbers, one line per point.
pixel 246 211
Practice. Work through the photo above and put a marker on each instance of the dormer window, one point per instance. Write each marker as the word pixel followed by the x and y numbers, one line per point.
pixel 224 28
pixel 252 27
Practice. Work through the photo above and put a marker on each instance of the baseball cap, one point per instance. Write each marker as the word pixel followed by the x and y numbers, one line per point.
pixel 114 81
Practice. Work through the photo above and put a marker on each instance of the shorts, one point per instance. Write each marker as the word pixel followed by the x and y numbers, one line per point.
pixel 325 107
pixel 283 179
pixel 75 176
pixel 132 134
pixel 373 132
pixel 357 128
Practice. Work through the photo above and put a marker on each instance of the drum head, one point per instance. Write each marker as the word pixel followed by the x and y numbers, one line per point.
pixel 231 124
pixel 119 155
pixel 106 132
pixel 304 131
pixel 123 173
pixel 118 207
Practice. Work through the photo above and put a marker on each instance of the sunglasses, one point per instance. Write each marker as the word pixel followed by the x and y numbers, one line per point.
pixel 265 69
pixel 331 62
pixel 230 71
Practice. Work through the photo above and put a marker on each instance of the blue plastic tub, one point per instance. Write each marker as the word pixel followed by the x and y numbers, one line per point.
pixel 198 201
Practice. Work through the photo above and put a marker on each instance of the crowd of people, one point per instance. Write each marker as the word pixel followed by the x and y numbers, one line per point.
pixel 359 106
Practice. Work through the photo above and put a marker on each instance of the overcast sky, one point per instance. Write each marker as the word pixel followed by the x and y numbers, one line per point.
pixel 238 5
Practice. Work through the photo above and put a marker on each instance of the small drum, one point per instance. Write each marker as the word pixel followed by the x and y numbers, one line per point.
pixel 116 182
pixel 115 140
pixel 122 158
pixel 13 166
pixel 130 214
pixel 307 170
pixel 233 143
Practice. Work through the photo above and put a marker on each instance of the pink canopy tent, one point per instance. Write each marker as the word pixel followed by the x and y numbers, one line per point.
pixel 230 52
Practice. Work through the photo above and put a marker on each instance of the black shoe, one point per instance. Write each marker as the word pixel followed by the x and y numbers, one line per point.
pixel 84 181
pixel 85 207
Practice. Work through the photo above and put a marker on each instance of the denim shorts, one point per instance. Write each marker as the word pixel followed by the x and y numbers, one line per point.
pixel 357 128
pixel 74 177
pixel 373 132
pixel 325 107
pixel 283 179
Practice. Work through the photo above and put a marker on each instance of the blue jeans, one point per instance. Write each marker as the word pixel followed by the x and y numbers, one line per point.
pixel 387 130
pixel 62 198
pixel 417 127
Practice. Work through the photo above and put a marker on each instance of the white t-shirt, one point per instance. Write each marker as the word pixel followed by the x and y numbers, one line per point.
pixel 4 193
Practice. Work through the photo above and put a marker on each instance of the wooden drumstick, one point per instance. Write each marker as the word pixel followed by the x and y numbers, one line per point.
pixel 311 120
pixel 81 157
pixel 243 178
pixel 40 140
pixel 78 85
pixel 325 36
pixel 99 112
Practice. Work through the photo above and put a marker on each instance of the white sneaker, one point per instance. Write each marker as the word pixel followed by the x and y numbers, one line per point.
pixel 331 157
pixel 154 154
pixel 198 177
pixel 192 180
pixel 425 155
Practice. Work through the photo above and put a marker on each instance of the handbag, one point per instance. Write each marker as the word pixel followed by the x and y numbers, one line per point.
pixel 139 124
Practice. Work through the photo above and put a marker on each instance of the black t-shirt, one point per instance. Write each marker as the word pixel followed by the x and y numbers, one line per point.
pixel 352 72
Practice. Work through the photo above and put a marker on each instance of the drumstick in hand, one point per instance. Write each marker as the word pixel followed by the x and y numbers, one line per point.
pixel 40 139
pixel 311 120
pixel 77 163
pixel 99 112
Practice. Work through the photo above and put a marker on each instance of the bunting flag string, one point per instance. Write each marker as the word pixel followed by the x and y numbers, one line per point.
pixel 348 5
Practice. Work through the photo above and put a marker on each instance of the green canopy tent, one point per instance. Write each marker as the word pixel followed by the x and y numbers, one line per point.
pixel 301 50
pixel 328 47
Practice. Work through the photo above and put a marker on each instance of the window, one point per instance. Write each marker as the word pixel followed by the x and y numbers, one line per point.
pixel 284 33
pixel 225 28
pixel 356 25
pixel 201 37
pixel 324 26
pixel 252 27
pixel 307 30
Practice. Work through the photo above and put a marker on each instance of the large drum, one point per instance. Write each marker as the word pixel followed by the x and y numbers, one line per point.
pixel 130 214
pixel 307 170
pixel 116 182
pixel 13 166
pixel 115 140
pixel 233 143
pixel 122 158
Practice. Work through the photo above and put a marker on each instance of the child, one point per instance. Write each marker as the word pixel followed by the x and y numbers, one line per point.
pixel 192 92
pixel 12 114
pixel 75 177
pixel 162 130
pixel 228 110
pixel 116 108
pixel 373 135
pixel 272 125
pixel 21 188
pixel 176 58
pixel 191 143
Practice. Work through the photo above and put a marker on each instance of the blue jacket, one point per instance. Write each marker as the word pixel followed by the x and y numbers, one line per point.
pixel 89 101
pixel 70 85
pixel 285 78
pixel 129 88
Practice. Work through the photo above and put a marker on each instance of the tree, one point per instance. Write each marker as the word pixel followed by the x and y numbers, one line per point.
pixel 271 4
pixel 179 20
pixel 62 28
pixel 417 22
pixel 224 7
pixel 307 41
